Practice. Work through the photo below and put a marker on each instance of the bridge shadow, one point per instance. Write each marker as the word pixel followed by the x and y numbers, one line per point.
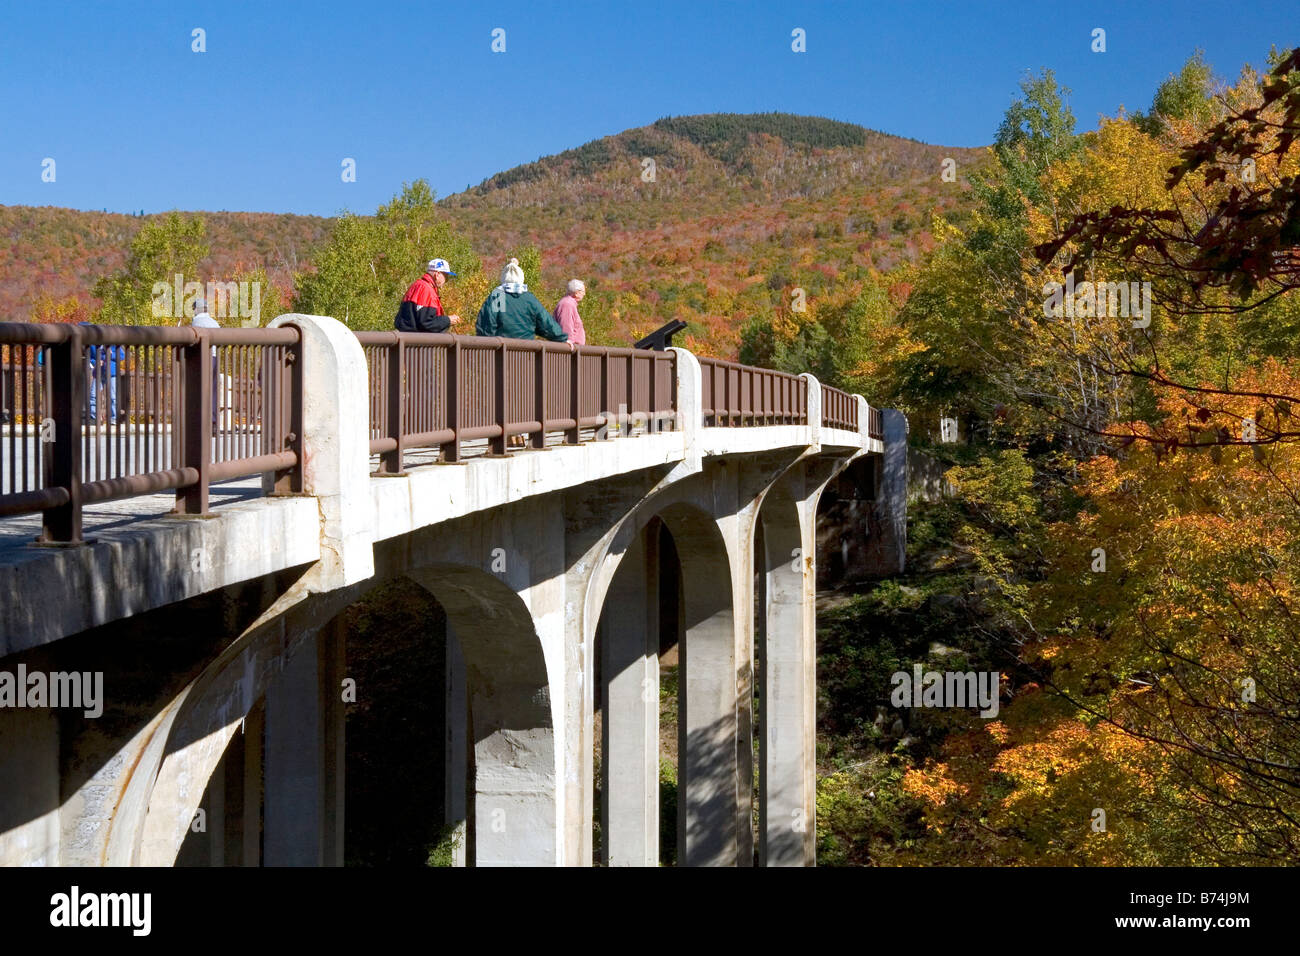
pixel 146 661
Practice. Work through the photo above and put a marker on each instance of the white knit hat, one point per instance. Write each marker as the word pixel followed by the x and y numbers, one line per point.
pixel 512 273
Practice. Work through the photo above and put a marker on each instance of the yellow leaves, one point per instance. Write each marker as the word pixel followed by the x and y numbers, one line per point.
pixel 1120 166
pixel 944 231
pixel 888 346
pixel 933 785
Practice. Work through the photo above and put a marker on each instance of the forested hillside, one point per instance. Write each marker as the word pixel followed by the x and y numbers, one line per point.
pixel 46 251
pixel 1123 543
pixel 735 213
pixel 738 217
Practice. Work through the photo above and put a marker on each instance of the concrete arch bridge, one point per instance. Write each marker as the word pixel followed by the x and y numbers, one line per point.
pixel 205 531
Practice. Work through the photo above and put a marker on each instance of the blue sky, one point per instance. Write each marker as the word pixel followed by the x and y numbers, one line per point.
pixel 285 91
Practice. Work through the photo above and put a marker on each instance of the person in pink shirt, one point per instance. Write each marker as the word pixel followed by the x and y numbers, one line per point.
pixel 566 313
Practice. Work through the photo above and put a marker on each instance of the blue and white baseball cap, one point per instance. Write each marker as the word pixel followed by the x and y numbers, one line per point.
pixel 440 265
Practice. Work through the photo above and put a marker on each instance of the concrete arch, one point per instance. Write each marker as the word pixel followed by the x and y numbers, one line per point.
pixel 179 751
pixel 687 502
pixel 512 732
pixel 714 748
pixel 512 728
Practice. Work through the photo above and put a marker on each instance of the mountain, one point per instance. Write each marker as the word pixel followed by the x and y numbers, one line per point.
pixel 715 218
pixel 709 218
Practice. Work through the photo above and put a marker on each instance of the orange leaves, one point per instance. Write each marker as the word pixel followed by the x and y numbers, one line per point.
pixel 934 785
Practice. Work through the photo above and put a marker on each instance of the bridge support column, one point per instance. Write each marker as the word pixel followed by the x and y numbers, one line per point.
pixel 712 780
pixel 457 777
pixel 30 798
pixel 253 729
pixel 788 775
pixel 887 548
pixel 630 728
pixel 304 773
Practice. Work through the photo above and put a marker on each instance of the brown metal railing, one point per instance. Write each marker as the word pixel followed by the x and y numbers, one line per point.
pixel 439 390
pixel 839 409
pixel 97 413
pixel 875 425
pixel 739 395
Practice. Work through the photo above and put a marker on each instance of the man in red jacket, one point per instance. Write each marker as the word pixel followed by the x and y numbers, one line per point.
pixel 421 308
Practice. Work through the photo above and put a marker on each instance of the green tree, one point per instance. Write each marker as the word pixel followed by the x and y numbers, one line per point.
pixel 1036 131
pixel 159 251
pixel 364 268
pixel 1185 96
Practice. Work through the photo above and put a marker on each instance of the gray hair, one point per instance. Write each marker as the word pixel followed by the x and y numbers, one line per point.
pixel 575 285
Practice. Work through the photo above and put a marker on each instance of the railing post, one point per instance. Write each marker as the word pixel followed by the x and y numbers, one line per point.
pixel 652 413
pixel 604 392
pixel 572 436
pixel 67 402
pixel 390 463
pixel 539 397
pixel 674 396
pixel 451 450
pixel 290 481
pixel 194 410
pixel 726 396
pixel 631 392
pixel 499 442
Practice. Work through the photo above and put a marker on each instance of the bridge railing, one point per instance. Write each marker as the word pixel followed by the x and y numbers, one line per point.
pixel 91 414
pixel 875 425
pixel 839 409
pixel 439 390
pixel 96 413
pixel 740 395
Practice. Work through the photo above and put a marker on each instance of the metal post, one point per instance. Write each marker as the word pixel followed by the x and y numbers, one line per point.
pixel 652 413
pixel 726 397
pixel 451 450
pixel 291 482
pixel 390 463
pixel 195 412
pixel 67 403
pixel 604 391
pixel 499 442
pixel 539 398
pixel 631 386
pixel 571 437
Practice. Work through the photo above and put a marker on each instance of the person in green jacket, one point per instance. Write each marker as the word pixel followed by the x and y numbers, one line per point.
pixel 512 312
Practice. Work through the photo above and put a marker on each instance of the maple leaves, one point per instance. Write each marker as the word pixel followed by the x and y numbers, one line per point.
pixel 1234 224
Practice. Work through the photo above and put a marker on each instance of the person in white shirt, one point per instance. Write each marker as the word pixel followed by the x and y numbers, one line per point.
pixel 201 318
